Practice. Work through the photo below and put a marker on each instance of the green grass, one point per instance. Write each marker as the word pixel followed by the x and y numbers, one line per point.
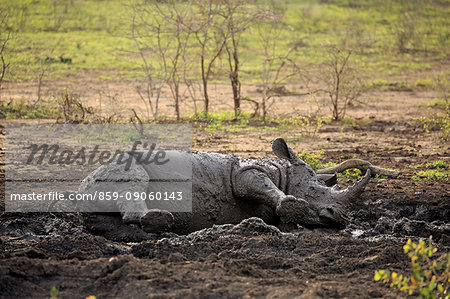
pixel 439 122
pixel 21 109
pixel 437 165
pixel 436 171
pixel 94 34
pixel 432 174
pixel 222 120
pixel 225 121
pixel 439 104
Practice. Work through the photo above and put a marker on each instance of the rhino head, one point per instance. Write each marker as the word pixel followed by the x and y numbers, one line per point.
pixel 322 206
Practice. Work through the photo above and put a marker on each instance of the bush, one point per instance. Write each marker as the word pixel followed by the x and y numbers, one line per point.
pixel 430 277
pixel 440 123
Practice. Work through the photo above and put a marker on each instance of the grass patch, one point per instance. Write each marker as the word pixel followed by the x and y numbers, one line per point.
pixel 22 109
pixel 440 123
pixel 67 108
pixel 438 104
pixel 385 85
pixel 432 174
pixel 226 121
pixel 437 165
pixel 222 120
pixel 313 159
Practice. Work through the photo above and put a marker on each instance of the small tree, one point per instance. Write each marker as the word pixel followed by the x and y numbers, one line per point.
pixel 342 80
pixel 44 66
pixel 5 35
pixel 205 27
pixel 177 15
pixel 152 44
pixel 238 18
pixel 277 67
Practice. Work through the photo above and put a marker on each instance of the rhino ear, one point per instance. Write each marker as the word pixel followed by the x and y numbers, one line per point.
pixel 283 151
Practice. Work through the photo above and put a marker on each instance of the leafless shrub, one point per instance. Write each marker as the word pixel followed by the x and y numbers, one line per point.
pixel 152 52
pixel 176 17
pixel 72 109
pixel 238 17
pixel 206 25
pixel 159 31
pixel 5 35
pixel 108 96
pixel 277 67
pixel 341 78
pixel 45 62
pixel 193 88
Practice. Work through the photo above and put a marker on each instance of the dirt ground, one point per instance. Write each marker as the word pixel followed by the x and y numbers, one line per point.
pixel 250 259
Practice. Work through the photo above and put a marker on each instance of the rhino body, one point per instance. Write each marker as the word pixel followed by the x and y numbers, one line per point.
pixel 229 189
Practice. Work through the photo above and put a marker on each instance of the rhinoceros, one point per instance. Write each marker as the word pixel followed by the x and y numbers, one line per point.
pixel 285 192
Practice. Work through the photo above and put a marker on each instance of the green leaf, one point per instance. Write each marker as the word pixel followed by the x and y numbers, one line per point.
pixel 439 266
pixel 425 293
pixel 54 291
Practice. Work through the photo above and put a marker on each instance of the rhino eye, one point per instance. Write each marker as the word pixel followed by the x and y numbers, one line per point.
pixel 330 210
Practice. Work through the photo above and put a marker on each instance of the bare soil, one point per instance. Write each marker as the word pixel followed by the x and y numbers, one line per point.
pixel 82 257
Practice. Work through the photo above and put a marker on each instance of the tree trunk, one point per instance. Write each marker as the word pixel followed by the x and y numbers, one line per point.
pixel 205 84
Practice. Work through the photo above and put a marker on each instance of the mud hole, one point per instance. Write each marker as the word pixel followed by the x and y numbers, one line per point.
pixel 97 255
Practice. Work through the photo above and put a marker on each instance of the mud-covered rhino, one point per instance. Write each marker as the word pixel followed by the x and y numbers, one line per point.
pixel 228 189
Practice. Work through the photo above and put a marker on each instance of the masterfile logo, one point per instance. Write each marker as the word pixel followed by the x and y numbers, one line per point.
pixel 121 164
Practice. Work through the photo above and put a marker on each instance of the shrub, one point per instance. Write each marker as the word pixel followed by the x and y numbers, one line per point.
pixel 440 122
pixel 430 276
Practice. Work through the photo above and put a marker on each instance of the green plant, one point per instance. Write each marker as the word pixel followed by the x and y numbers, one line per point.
pixel 383 85
pixel 406 28
pixel 222 120
pixel 424 83
pixel 352 173
pixel 21 109
pixel 432 174
pixel 308 126
pixel 342 77
pixel 440 123
pixel 414 166
pixel 349 122
pixel 430 276
pixel 312 159
pixel 439 104
pixel 54 293
pixel 436 165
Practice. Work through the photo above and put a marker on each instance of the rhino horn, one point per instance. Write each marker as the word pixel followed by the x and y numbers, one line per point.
pixel 352 192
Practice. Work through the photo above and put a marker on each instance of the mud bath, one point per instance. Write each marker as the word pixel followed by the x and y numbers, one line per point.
pixel 82 257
